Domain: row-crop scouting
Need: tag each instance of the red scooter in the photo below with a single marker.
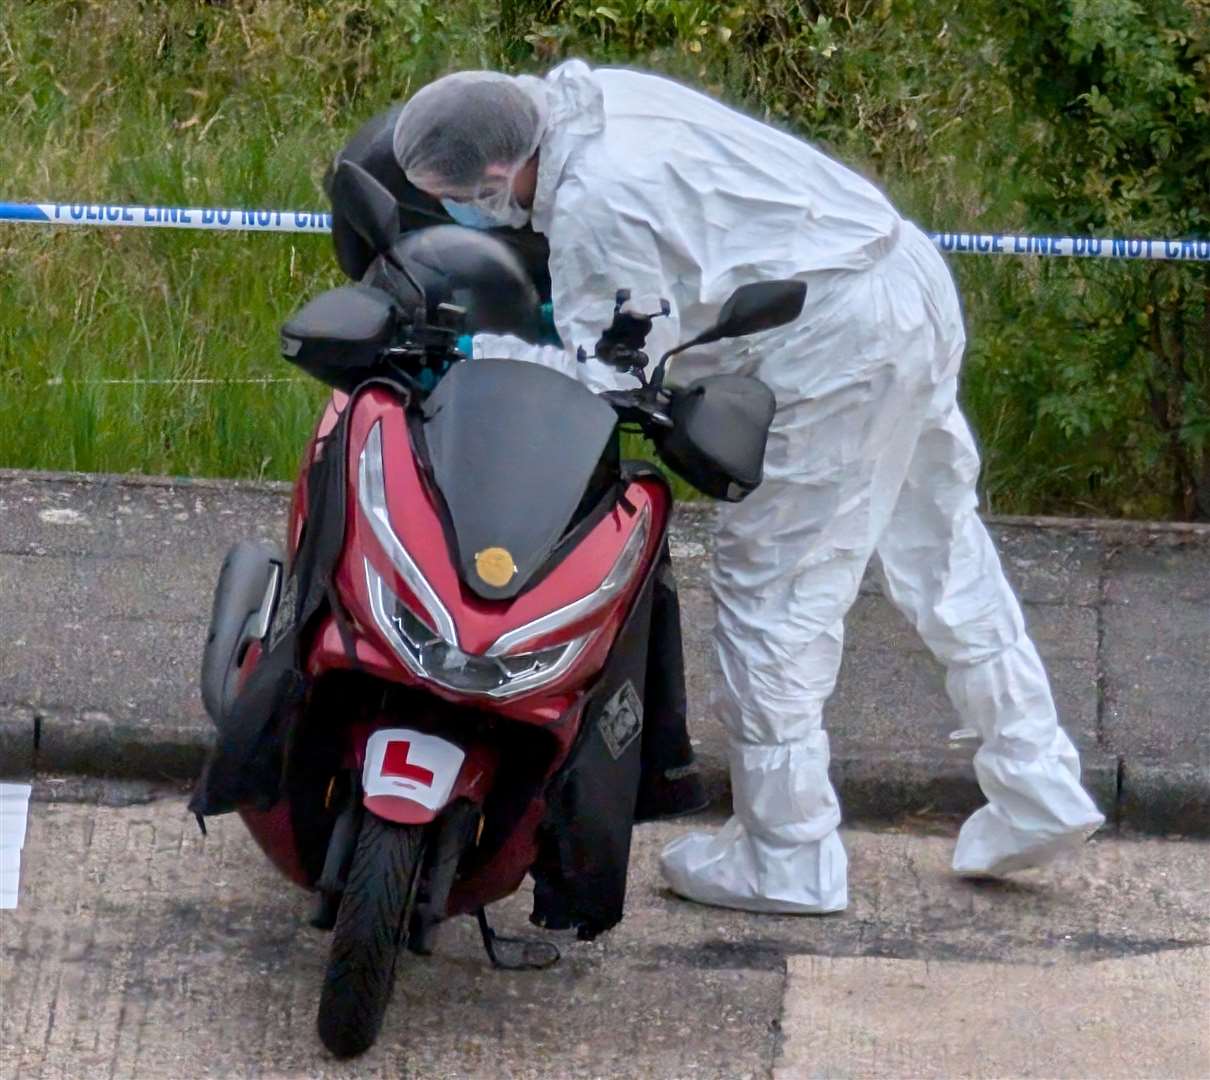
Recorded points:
(440, 687)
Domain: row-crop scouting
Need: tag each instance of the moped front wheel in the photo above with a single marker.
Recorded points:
(374, 912)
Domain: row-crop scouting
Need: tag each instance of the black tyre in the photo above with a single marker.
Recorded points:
(376, 906)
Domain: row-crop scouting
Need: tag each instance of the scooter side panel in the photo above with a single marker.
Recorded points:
(273, 831)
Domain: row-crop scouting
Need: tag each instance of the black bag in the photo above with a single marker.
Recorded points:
(632, 752)
(245, 766)
(720, 428)
(584, 842)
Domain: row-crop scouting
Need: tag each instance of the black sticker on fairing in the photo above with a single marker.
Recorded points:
(621, 719)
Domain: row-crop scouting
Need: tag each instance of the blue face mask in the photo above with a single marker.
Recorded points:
(473, 217)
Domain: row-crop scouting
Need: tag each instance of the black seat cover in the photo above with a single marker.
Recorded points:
(372, 148)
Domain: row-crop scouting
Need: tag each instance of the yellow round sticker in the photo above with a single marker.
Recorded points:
(495, 566)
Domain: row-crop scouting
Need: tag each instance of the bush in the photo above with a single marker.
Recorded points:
(1088, 383)
(1113, 136)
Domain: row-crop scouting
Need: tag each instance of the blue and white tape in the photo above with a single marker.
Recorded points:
(169, 217)
(316, 221)
(1080, 247)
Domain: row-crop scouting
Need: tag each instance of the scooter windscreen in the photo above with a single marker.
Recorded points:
(515, 450)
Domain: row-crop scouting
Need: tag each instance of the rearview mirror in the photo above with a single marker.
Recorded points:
(759, 305)
(369, 207)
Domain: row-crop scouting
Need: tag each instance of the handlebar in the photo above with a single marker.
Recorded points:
(644, 406)
(424, 350)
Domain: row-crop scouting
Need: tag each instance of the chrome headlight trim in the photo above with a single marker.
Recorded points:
(372, 496)
(378, 591)
(411, 650)
(535, 679)
(617, 578)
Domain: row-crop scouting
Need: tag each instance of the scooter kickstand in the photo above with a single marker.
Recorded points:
(532, 955)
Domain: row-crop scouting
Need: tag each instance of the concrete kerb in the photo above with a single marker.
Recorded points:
(1168, 797)
(1128, 529)
(139, 480)
(1171, 799)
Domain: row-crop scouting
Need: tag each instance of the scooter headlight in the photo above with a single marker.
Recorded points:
(429, 656)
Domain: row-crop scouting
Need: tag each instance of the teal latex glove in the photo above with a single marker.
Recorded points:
(547, 333)
(465, 345)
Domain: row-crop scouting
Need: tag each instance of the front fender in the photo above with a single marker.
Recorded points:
(410, 776)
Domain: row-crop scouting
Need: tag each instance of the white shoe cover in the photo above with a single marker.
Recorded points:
(734, 869)
(985, 832)
(990, 847)
(1037, 811)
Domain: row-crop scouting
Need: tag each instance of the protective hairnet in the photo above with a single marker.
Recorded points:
(456, 128)
(644, 184)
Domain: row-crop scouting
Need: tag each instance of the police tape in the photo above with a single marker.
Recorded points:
(265, 380)
(1085, 247)
(168, 217)
(316, 221)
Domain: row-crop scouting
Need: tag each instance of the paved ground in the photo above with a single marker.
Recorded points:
(107, 587)
(863, 1017)
(141, 950)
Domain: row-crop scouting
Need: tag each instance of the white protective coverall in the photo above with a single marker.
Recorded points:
(647, 185)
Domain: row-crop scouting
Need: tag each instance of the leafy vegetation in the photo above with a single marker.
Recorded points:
(1125, 91)
(1088, 383)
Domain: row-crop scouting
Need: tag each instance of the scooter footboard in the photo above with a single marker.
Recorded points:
(410, 776)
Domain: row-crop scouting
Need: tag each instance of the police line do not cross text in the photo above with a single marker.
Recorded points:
(316, 221)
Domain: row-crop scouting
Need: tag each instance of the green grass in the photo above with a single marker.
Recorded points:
(124, 305)
(195, 105)
(242, 103)
(184, 103)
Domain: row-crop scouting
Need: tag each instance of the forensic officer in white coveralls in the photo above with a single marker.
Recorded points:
(641, 183)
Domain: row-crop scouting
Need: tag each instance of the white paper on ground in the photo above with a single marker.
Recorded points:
(14, 813)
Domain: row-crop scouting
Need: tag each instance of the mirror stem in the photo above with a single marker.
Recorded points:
(704, 338)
